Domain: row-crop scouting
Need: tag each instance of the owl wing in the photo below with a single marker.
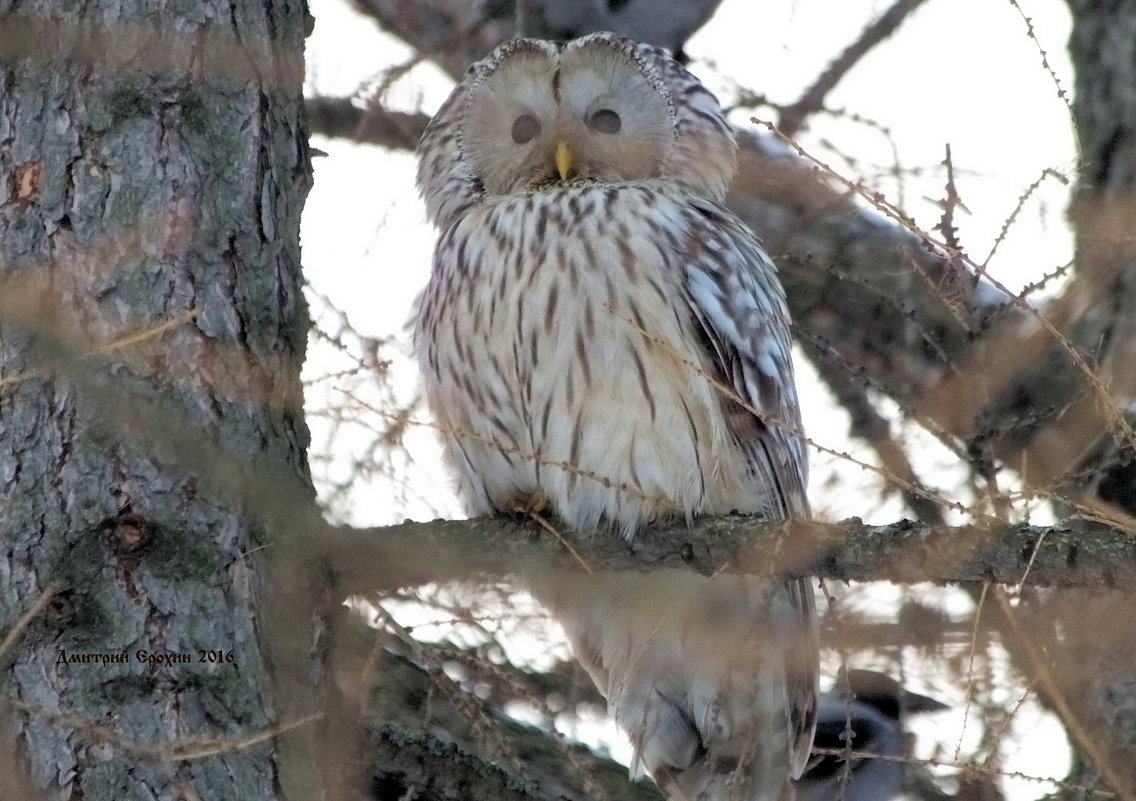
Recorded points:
(739, 307)
(740, 310)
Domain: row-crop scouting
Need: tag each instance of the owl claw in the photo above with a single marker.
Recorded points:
(529, 504)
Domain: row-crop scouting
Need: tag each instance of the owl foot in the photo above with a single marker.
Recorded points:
(529, 504)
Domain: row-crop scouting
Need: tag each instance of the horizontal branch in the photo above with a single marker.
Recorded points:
(487, 549)
(343, 118)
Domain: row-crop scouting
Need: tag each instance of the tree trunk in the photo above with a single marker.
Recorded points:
(152, 330)
(1080, 630)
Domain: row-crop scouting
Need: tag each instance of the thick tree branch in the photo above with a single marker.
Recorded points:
(342, 117)
(483, 749)
(489, 549)
(423, 766)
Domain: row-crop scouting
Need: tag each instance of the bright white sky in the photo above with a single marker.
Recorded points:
(959, 72)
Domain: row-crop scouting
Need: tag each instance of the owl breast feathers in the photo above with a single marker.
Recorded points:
(602, 337)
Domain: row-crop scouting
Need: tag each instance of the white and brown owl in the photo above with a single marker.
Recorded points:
(602, 339)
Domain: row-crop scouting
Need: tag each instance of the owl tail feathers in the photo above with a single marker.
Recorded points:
(743, 763)
(699, 672)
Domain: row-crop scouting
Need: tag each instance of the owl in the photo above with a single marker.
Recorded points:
(602, 340)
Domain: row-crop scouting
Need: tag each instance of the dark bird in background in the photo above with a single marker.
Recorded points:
(662, 23)
(872, 707)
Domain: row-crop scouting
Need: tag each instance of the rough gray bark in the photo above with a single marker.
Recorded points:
(155, 163)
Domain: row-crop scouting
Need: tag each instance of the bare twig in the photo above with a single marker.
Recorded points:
(374, 124)
(793, 116)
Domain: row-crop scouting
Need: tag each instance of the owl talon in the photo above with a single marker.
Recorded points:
(534, 503)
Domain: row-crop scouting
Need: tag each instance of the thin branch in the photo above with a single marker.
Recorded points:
(343, 118)
(793, 116)
(16, 631)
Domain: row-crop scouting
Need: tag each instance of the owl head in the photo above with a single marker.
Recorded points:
(605, 109)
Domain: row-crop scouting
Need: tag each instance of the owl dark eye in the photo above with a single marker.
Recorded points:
(525, 128)
(605, 121)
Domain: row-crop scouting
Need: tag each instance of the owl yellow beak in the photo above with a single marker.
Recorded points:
(563, 159)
